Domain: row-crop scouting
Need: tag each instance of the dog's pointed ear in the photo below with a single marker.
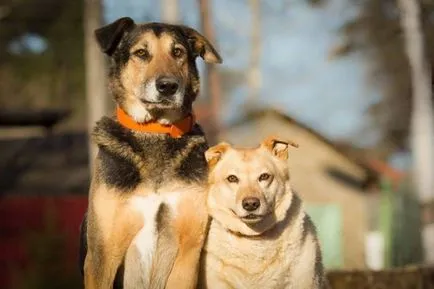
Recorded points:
(201, 46)
(109, 36)
(214, 154)
(278, 147)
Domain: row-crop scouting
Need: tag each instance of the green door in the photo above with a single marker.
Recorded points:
(328, 222)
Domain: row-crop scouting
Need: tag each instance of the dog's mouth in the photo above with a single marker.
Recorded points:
(150, 102)
(250, 218)
(162, 104)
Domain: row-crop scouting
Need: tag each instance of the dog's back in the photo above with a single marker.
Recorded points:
(272, 244)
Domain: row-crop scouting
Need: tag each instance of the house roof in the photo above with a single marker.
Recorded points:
(254, 113)
(386, 170)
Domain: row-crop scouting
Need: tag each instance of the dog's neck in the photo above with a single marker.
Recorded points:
(175, 130)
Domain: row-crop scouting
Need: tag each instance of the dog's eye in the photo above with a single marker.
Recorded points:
(232, 179)
(141, 53)
(264, 177)
(177, 52)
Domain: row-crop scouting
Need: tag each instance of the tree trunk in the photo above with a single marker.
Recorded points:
(422, 121)
(96, 93)
(254, 73)
(213, 89)
(169, 11)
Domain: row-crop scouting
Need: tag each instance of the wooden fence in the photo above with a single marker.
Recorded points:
(403, 278)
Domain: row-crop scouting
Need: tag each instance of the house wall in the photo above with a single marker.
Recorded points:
(310, 181)
(40, 240)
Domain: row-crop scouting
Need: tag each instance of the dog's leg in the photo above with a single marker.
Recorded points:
(143, 254)
(166, 249)
(113, 227)
(82, 244)
(90, 280)
(190, 228)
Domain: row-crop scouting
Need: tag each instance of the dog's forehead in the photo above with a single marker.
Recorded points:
(248, 157)
(154, 32)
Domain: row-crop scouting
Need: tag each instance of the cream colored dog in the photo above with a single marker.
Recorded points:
(259, 235)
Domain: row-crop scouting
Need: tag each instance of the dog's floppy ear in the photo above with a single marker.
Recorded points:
(214, 154)
(109, 36)
(278, 147)
(201, 46)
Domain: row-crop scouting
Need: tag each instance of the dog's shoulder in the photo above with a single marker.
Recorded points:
(118, 163)
(108, 133)
(126, 159)
(310, 228)
(193, 165)
(308, 252)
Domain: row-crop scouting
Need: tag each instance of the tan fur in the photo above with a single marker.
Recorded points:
(278, 146)
(115, 225)
(190, 228)
(179, 245)
(280, 248)
(214, 154)
(162, 63)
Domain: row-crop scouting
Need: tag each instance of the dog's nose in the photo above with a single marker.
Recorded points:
(167, 86)
(251, 204)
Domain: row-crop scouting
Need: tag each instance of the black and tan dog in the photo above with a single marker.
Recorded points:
(146, 220)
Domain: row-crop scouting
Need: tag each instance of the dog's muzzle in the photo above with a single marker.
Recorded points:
(167, 87)
(162, 92)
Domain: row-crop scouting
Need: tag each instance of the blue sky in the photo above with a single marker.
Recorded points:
(331, 96)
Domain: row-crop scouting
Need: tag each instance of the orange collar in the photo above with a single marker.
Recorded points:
(175, 130)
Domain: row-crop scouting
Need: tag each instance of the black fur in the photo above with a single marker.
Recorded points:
(163, 217)
(117, 132)
(109, 36)
(193, 167)
(119, 279)
(117, 171)
(119, 146)
(122, 53)
(181, 34)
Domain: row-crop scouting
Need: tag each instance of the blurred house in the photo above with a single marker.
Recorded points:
(43, 196)
(333, 185)
(395, 219)
(55, 164)
(39, 241)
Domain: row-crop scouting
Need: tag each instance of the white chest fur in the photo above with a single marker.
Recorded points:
(286, 261)
(241, 262)
(139, 257)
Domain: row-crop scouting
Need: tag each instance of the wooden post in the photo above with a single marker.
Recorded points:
(169, 11)
(96, 88)
(422, 119)
(213, 80)
(254, 73)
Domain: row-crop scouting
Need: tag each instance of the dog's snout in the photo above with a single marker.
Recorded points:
(167, 86)
(251, 204)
